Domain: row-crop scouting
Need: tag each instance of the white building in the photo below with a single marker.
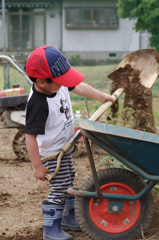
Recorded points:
(87, 29)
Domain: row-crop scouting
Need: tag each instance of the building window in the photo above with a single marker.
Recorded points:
(26, 31)
(91, 18)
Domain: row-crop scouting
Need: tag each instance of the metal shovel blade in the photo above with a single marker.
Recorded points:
(146, 61)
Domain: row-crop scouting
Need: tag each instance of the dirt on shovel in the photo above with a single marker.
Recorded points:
(137, 108)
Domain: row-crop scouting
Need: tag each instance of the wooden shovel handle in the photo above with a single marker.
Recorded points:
(106, 105)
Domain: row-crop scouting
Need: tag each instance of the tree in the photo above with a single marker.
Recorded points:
(147, 14)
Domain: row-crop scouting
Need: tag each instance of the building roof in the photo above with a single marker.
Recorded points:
(28, 3)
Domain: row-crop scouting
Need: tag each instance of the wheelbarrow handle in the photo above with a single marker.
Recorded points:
(78, 134)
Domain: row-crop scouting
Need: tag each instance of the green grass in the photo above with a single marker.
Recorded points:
(155, 89)
(156, 116)
(96, 76)
(109, 161)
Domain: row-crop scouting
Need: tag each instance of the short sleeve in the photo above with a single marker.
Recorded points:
(36, 114)
(70, 88)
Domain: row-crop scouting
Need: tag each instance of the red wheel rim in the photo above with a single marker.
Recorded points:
(112, 222)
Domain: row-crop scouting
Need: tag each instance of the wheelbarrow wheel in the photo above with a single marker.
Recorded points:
(19, 146)
(126, 219)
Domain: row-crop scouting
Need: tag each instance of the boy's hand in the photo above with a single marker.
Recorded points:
(108, 97)
(40, 171)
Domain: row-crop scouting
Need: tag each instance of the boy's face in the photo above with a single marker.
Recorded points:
(47, 88)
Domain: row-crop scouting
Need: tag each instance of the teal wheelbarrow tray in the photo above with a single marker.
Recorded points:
(116, 203)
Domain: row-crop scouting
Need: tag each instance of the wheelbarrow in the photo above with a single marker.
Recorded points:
(116, 203)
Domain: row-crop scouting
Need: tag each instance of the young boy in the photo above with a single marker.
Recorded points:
(49, 125)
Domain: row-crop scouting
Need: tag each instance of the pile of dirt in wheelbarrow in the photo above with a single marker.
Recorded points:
(137, 107)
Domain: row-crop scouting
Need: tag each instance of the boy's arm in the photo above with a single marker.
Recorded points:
(86, 90)
(39, 170)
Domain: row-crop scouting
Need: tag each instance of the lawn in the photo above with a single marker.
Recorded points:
(96, 76)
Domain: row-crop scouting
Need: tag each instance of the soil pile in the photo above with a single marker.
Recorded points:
(137, 108)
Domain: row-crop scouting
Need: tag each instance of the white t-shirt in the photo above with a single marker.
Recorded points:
(51, 118)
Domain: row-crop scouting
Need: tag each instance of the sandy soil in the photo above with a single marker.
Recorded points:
(21, 195)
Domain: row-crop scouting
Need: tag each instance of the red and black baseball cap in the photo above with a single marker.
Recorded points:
(48, 62)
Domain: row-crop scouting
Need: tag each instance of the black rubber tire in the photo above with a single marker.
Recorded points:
(121, 176)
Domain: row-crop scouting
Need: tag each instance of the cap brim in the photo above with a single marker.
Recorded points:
(69, 79)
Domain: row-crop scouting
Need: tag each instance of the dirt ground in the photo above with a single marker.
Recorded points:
(21, 195)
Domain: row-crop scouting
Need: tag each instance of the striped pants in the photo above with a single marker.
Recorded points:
(62, 181)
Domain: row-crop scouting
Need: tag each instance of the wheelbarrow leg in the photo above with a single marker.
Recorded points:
(94, 172)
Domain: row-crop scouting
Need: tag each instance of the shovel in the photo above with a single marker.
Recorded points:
(147, 62)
